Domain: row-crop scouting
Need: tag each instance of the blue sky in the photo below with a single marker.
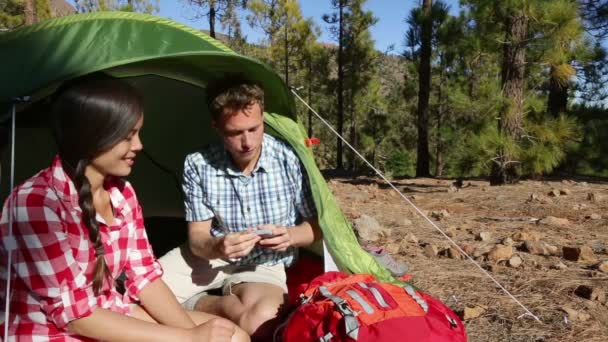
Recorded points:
(390, 28)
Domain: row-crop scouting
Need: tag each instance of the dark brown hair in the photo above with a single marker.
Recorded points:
(92, 114)
(231, 94)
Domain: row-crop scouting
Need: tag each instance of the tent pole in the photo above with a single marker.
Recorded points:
(527, 312)
(10, 245)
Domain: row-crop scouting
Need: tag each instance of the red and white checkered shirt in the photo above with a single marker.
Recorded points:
(53, 258)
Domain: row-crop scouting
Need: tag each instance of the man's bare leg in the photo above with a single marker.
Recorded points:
(253, 306)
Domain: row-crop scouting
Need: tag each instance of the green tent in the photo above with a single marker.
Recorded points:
(170, 64)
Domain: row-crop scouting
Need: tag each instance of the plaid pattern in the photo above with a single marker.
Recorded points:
(277, 192)
(53, 258)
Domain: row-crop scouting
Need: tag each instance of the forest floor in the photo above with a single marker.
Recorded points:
(544, 241)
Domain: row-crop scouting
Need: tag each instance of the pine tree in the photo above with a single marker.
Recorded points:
(216, 10)
(143, 6)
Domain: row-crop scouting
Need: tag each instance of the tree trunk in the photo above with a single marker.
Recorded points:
(29, 12)
(440, 146)
(558, 96)
(310, 95)
(513, 71)
(339, 162)
(353, 130)
(212, 19)
(286, 53)
(424, 85)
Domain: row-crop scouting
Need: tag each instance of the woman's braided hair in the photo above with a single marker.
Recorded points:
(91, 115)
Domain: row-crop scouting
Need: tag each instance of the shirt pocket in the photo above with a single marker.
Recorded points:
(277, 206)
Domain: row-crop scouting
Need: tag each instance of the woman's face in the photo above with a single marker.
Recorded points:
(118, 160)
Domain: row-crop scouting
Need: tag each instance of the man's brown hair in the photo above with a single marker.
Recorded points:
(232, 94)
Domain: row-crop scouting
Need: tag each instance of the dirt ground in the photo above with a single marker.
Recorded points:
(546, 287)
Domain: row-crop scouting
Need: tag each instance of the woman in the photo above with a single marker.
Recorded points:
(78, 225)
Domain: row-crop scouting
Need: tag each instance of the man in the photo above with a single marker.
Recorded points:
(248, 206)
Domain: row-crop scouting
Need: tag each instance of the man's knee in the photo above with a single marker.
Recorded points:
(260, 318)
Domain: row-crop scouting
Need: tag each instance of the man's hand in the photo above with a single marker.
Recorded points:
(280, 240)
(236, 245)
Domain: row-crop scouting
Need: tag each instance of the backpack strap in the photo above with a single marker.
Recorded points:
(326, 338)
(350, 322)
(376, 295)
(410, 290)
(365, 305)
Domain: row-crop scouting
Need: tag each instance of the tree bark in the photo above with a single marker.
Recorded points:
(339, 152)
(286, 52)
(513, 72)
(310, 95)
(29, 12)
(424, 85)
(212, 19)
(440, 145)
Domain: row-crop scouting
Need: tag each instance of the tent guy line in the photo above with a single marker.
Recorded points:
(379, 173)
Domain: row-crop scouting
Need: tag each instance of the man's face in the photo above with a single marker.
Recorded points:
(242, 133)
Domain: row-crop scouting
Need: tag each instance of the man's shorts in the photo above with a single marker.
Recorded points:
(190, 276)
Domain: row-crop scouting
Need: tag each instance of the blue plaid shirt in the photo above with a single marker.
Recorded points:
(277, 192)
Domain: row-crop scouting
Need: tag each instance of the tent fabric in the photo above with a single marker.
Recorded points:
(170, 64)
(37, 56)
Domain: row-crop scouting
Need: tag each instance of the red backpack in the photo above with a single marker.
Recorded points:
(339, 307)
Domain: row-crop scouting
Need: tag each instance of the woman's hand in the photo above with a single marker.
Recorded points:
(214, 330)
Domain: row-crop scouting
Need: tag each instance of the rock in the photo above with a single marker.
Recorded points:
(411, 238)
(598, 246)
(430, 251)
(553, 193)
(594, 216)
(484, 236)
(468, 248)
(526, 236)
(534, 197)
(539, 248)
(452, 188)
(482, 250)
(368, 229)
(574, 315)
(579, 254)
(591, 293)
(473, 312)
(515, 261)
(356, 196)
(568, 182)
(602, 266)
(554, 221)
(594, 197)
(565, 192)
(393, 248)
(405, 222)
(451, 232)
(500, 252)
(589, 304)
(440, 214)
(559, 266)
(507, 241)
(454, 253)
(579, 206)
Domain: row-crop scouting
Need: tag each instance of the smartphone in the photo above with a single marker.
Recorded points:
(264, 233)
